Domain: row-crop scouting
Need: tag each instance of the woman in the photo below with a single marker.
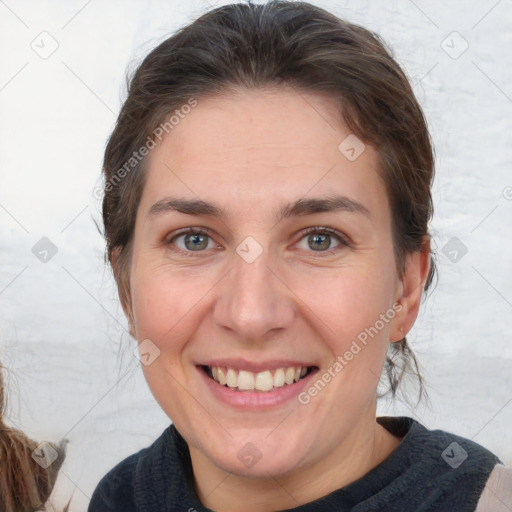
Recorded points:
(266, 209)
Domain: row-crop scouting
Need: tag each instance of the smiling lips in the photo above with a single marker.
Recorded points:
(264, 381)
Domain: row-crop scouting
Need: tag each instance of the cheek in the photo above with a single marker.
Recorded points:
(357, 334)
(164, 314)
(350, 300)
(161, 299)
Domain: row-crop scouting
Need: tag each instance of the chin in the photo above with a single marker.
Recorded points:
(258, 454)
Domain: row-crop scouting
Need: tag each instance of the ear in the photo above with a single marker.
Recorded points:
(417, 267)
(122, 278)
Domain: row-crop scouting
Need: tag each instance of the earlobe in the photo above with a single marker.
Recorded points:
(397, 331)
(417, 268)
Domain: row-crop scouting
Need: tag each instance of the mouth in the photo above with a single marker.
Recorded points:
(266, 381)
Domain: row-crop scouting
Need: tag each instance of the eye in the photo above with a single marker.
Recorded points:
(319, 239)
(192, 240)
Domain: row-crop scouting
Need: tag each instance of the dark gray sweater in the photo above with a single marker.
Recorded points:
(430, 470)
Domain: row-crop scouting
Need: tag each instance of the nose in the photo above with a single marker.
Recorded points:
(253, 300)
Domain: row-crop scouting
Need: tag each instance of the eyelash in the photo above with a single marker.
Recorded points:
(344, 241)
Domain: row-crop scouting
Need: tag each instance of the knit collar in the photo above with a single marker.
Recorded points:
(164, 480)
(169, 458)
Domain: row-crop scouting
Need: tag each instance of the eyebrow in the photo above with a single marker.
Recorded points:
(301, 207)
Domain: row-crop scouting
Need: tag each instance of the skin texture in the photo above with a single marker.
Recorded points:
(251, 152)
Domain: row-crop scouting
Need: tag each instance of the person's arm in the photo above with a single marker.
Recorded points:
(497, 495)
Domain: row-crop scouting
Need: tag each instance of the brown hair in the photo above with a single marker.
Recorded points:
(25, 485)
(287, 43)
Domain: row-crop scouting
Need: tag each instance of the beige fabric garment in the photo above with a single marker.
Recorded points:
(497, 495)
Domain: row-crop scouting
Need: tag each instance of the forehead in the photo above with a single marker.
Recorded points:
(272, 144)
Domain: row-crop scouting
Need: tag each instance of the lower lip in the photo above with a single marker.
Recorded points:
(254, 399)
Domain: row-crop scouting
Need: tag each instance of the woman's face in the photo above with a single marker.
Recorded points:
(253, 297)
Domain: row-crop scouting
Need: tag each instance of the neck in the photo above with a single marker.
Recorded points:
(366, 446)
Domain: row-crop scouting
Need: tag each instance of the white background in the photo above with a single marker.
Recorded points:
(72, 370)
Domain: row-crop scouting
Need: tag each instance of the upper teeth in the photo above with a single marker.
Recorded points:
(262, 381)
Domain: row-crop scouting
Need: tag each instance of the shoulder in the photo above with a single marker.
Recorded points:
(116, 490)
(448, 470)
(450, 451)
(497, 494)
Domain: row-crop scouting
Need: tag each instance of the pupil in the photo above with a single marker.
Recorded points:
(317, 238)
(195, 238)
